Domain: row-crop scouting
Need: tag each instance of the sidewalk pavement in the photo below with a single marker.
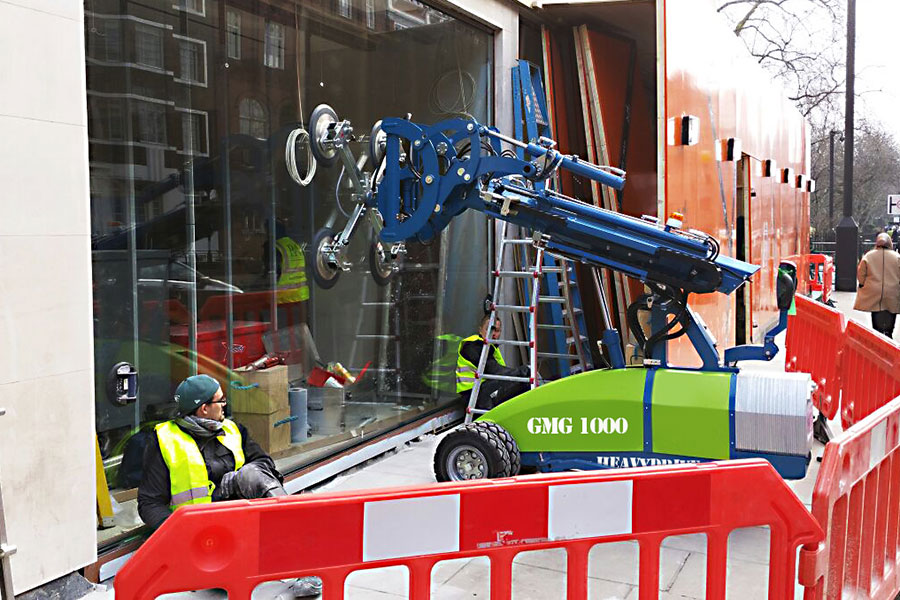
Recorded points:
(541, 575)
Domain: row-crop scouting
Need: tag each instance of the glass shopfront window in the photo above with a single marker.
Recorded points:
(195, 213)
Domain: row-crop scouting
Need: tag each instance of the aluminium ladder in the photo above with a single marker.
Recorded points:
(532, 272)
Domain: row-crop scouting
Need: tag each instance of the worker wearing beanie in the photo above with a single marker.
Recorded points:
(203, 457)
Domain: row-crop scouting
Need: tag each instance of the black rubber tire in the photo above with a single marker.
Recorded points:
(515, 458)
(324, 276)
(377, 266)
(479, 437)
(321, 116)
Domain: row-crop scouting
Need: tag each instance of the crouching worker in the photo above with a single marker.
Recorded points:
(492, 391)
(203, 457)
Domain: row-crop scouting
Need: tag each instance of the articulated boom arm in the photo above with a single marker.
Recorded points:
(422, 190)
(425, 175)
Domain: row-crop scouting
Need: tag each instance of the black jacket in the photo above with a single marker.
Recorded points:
(154, 492)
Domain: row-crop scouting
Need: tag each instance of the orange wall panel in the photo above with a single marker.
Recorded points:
(710, 75)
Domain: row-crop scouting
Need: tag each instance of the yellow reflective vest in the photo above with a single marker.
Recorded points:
(189, 480)
(465, 370)
(291, 286)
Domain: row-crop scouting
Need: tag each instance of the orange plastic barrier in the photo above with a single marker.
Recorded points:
(815, 337)
(869, 367)
(857, 501)
(237, 545)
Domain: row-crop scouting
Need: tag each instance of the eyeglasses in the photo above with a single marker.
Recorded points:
(222, 401)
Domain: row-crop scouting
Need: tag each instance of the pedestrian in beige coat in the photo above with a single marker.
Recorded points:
(878, 275)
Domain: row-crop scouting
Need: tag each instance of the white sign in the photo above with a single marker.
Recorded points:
(893, 205)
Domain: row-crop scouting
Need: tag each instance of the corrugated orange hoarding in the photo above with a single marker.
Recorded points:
(710, 75)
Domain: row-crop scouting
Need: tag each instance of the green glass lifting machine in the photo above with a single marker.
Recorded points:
(425, 175)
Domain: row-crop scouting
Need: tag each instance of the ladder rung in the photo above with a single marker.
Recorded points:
(554, 327)
(376, 336)
(575, 369)
(420, 297)
(575, 311)
(506, 378)
(476, 411)
(512, 308)
(514, 273)
(551, 269)
(571, 339)
(557, 355)
(552, 300)
(511, 342)
(376, 303)
(518, 242)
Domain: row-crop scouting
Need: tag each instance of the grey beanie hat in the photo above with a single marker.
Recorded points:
(193, 392)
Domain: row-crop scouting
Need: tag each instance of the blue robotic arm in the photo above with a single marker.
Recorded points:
(425, 175)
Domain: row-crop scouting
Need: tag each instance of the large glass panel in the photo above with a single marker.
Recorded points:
(201, 237)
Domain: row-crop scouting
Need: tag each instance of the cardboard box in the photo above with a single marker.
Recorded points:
(268, 394)
(263, 431)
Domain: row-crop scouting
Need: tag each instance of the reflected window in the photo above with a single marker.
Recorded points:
(344, 8)
(151, 122)
(192, 54)
(370, 14)
(252, 118)
(274, 46)
(193, 132)
(233, 35)
(107, 37)
(148, 44)
(194, 6)
(107, 123)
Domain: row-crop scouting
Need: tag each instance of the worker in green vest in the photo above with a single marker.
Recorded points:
(202, 457)
(291, 287)
(492, 391)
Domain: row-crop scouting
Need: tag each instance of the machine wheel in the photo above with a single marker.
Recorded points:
(515, 459)
(323, 273)
(380, 263)
(472, 451)
(322, 116)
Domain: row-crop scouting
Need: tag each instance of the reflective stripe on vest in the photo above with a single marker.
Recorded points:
(291, 286)
(189, 479)
(465, 370)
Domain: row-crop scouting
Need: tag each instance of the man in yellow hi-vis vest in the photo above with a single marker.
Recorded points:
(492, 391)
(202, 457)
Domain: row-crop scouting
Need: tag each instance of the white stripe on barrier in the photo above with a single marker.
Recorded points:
(589, 510)
(877, 443)
(410, 527)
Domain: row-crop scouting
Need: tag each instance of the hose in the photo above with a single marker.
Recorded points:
(290, 156)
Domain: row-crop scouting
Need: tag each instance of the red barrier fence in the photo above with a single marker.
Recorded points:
(857, 501)
(821, 276)
(869, 366)
(815, 336)
(238, 545)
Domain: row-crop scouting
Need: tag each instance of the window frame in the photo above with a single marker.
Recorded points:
(141, 29)
(233, 34)
(201, 148)
(269, 59)
(182, 40)
(182, 5)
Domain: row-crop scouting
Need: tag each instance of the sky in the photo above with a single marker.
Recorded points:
(878, 62)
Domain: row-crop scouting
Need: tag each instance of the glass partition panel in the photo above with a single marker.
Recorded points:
(202, 238)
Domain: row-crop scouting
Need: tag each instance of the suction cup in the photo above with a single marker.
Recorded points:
(324, 274)
(321, 118)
